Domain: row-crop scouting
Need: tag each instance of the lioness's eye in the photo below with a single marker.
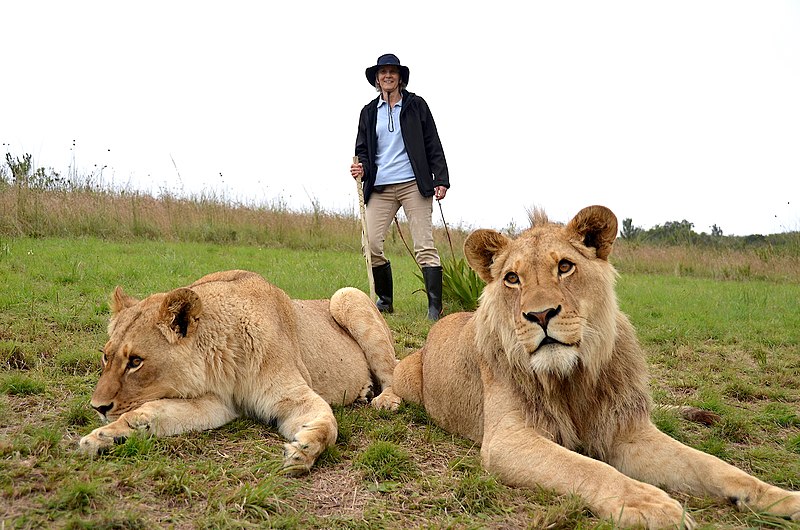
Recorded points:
(512, 278)
(134, 362)
(565, 266)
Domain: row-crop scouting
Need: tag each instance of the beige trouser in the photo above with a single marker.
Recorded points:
(381, 210)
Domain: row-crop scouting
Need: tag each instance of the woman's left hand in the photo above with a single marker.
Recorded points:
(439, 192)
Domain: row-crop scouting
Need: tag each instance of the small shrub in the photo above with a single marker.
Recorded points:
(460, 284)
(385, 461)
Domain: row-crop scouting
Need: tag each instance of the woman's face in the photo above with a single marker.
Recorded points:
(389, 78)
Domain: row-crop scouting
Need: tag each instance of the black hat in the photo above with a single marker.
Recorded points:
(388, 59)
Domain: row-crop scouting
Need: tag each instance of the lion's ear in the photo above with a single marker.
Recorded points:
(595, 227)
(120, 300)
(480, 248)
(179, 313)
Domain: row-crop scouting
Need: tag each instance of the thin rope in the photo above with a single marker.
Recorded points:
(403, 239)
(446, 230)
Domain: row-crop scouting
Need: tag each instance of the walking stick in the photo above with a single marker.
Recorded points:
(364, 237)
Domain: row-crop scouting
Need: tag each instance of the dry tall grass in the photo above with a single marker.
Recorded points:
(758, 262)
(121, 215)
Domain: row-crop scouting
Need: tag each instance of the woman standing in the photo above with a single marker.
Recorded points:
(401, 163)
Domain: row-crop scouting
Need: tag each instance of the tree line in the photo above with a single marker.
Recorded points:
(682, 233)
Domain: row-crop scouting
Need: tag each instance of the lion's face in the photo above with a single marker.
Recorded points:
(550, 292)
(146, 354)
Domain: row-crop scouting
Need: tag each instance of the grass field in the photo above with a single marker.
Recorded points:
(730, 346)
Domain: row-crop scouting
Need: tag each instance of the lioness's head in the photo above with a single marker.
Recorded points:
(550, 292)
(145, 356)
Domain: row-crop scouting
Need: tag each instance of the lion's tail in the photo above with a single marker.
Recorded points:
(697, 415)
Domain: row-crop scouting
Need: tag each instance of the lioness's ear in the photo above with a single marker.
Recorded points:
(480, 249)
(595, 227)
(120, 301)
(179, 313)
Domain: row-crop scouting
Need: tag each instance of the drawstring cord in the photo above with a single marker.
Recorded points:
(391, 117)
(389, 113)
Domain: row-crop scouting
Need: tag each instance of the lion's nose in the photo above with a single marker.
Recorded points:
(542, 317)
(102, 409)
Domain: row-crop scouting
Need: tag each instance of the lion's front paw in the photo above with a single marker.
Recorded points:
(387, 400)
(97, 441)
(296, 460)
(643, 505)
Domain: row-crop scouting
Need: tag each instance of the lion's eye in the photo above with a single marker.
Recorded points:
(511, 278)
(134, 362)
(565, 267)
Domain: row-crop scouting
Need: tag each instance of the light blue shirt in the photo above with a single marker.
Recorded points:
(392, 160)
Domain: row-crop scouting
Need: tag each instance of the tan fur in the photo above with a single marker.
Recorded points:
(232, 344)
(548, 376)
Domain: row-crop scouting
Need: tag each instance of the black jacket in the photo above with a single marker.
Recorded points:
(420, 138)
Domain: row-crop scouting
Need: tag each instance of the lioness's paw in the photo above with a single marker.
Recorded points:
(296, 460)
(787, 506)
(643, 505)
(387, 400)
(96, 442)
(775, 501)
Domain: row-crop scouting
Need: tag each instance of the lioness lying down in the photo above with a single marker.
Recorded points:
(231, 344)
(547, 375)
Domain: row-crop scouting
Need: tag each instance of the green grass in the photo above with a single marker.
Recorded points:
(732, 347)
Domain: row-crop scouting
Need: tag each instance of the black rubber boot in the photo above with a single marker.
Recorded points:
(382, 274)
(433, 286)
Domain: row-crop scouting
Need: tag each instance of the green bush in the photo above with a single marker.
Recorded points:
(460, 284)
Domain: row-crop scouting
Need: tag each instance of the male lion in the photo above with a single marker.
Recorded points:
(231, 344)
(547, 375)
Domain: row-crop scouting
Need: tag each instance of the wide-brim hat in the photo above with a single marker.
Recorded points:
(388, 59)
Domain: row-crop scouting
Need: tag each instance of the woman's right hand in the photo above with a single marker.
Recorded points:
(357, 170)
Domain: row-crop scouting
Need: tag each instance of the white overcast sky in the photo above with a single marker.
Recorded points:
(660, 110)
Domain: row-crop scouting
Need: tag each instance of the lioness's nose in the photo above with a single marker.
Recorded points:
(542, 317)
(102, 409)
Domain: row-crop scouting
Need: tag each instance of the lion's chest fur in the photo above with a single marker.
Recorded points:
(581, 412)
(574, 412)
